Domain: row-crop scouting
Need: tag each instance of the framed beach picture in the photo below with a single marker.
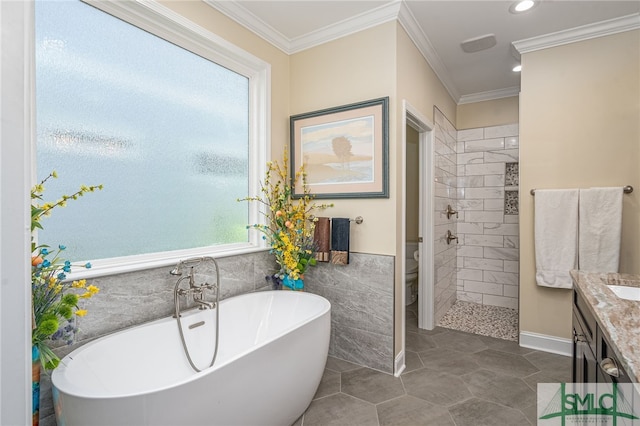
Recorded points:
(344, 150)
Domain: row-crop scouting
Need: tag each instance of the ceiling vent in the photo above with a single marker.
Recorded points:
(477, 44)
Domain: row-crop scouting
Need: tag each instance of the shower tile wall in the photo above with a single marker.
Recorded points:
(444, 262)
(488, 225)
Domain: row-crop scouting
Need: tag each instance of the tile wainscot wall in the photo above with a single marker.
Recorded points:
(361, 296)
(487, 228)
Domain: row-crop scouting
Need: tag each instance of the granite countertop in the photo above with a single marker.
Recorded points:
(619, 318)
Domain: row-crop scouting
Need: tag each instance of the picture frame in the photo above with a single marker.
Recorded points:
(344, 150)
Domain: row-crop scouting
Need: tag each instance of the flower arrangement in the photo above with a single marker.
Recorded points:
(55, 299)
(289, 223)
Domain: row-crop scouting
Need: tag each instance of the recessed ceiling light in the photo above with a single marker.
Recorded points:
(521, 6)
(517, 68)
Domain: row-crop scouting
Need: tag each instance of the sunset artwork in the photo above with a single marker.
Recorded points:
(339, 152)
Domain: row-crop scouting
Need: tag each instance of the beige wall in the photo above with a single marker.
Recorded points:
(579, 127)
(487, 113)
(351, 69)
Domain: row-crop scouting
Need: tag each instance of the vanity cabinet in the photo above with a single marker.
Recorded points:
(593, 358)
(584, 342)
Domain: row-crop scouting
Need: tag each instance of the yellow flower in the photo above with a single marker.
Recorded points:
(81, 312)
(290, 226)
(79, 284)
(93, 289)
(52, 282)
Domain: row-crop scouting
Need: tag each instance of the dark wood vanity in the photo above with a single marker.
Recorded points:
(594, 360)
(606, 329)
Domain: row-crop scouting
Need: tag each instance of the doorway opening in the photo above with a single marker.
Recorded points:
(417, 229)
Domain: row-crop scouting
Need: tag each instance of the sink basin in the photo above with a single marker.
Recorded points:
(625, 292)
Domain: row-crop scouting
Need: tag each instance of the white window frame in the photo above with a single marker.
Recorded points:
(157, 19)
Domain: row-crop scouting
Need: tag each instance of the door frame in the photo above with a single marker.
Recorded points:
(412, 117)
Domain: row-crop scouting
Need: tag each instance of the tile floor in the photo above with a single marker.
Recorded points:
(452, 378)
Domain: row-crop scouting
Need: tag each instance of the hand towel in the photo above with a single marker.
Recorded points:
(340, 241)
(556, 236)
(322, 238)
(600, 229)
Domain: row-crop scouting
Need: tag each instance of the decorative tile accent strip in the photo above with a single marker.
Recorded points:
(510, 202)
(511, 174)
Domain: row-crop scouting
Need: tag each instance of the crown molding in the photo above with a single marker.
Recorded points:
(489, 95)
(385, 13)
(415, 33)
(584, 32)
(250, 21)
(377, 16)
(380, 15)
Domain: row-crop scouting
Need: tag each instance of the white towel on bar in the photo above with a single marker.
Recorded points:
(556, 236)
(600, 229)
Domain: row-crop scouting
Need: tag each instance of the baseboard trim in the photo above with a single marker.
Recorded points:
(399, 364)
(545, 343)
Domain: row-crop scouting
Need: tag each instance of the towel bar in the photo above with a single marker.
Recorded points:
(627, 190)
(358, 220)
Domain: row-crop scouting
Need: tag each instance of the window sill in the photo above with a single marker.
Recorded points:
(120, 265)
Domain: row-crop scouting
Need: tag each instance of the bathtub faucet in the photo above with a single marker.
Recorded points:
(198, 296)
(197, 291)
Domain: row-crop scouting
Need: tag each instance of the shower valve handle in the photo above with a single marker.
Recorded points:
(449, 236)
(450, 211)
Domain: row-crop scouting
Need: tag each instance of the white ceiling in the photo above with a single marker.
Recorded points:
(438, 28)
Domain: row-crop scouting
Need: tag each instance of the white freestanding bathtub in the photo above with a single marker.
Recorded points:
(271, 356)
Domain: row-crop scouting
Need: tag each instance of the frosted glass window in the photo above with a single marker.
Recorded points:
(163, 129)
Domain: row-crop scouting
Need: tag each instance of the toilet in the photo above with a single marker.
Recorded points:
(411, 275)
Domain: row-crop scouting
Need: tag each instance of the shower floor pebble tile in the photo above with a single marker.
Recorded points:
(485, 320)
